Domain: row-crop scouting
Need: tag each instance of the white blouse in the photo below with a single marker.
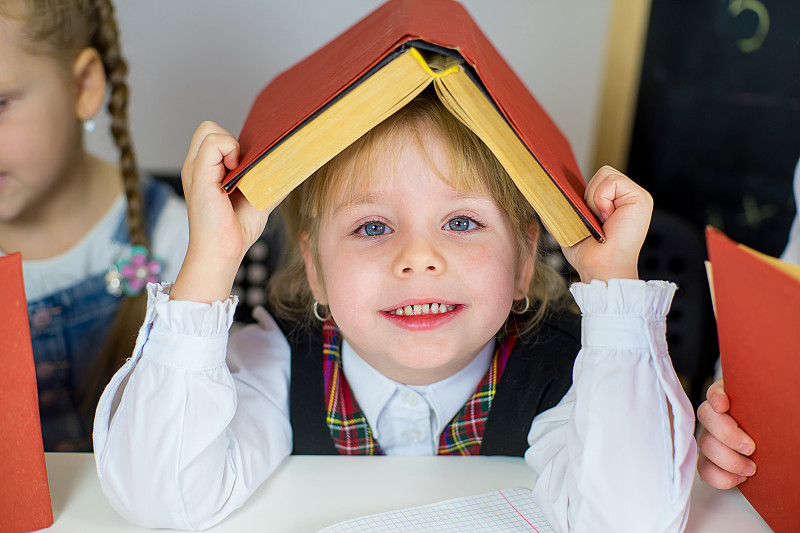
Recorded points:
(194, 422)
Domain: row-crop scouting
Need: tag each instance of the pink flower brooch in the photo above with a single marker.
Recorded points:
(131, 275)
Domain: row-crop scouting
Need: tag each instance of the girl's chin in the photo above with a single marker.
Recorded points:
(419, 370)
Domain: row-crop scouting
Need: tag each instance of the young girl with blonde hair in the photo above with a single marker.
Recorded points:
(90, 233)
(414, 317)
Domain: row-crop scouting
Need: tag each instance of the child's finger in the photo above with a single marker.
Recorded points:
(716, 476)
(717, 398)
(203, 131)
(723, 456)
(217, 152)
(624, 208)
(602, 211)
(725, 429)
(609, 190)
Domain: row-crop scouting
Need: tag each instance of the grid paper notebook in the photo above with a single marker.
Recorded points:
(506, 510)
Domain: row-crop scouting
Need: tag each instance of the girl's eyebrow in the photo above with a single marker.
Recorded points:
(352, 203)
(369, 199)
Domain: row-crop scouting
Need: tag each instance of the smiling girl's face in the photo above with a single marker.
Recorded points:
(418, 276)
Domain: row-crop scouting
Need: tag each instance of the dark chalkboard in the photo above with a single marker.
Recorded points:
(716, 132)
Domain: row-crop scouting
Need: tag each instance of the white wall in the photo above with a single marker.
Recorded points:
(192, 60)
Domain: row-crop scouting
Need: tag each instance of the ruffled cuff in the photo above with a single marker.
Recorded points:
(651, 299)
(191, 318)
(187, 334)
(624, 313)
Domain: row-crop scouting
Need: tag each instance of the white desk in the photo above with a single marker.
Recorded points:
(310, 492)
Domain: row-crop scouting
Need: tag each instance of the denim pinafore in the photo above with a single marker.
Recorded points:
(67, 330)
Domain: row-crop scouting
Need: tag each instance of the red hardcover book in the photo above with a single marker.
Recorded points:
(306, 93)
(24, 491)
(757, 303)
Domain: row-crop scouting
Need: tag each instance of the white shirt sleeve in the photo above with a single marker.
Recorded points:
(181, 438)
(792, 251)
(606, 457)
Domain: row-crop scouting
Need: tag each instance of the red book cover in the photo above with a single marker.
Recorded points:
(24, 491)
(757, 303)
(299, 92)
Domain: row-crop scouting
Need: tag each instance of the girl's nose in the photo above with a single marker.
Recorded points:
(419, 255)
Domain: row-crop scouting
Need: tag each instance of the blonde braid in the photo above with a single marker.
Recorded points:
(122, 333)
(106, 40)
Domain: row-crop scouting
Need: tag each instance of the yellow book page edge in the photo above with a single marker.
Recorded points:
(467, 102)
(338, 126)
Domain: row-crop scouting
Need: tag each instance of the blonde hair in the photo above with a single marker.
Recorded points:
(61, 29)
(473, 168)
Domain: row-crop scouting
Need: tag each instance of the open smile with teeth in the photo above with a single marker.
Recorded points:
(423, 309)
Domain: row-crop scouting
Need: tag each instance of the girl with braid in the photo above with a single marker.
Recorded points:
(412, 318)
(90, 233)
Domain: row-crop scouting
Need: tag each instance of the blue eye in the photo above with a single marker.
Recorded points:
(374, 229)
(460, 224)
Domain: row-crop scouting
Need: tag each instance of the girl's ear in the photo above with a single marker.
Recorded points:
(90, 83)
(526, 264)
(312, 273)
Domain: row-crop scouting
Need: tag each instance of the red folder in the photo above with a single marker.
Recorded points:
(24, 491)
(757, 303)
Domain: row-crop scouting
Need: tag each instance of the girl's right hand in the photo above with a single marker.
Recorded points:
(222, 227)
(724, 446)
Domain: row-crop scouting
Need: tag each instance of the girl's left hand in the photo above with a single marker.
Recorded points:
(724, 447)
(624, 209)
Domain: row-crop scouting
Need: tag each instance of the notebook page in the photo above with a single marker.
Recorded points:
(500, 511)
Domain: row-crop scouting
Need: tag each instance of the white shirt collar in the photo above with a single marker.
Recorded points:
(372, 390)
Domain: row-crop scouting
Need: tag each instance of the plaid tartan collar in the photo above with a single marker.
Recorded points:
(348, 426)
(350, 430)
